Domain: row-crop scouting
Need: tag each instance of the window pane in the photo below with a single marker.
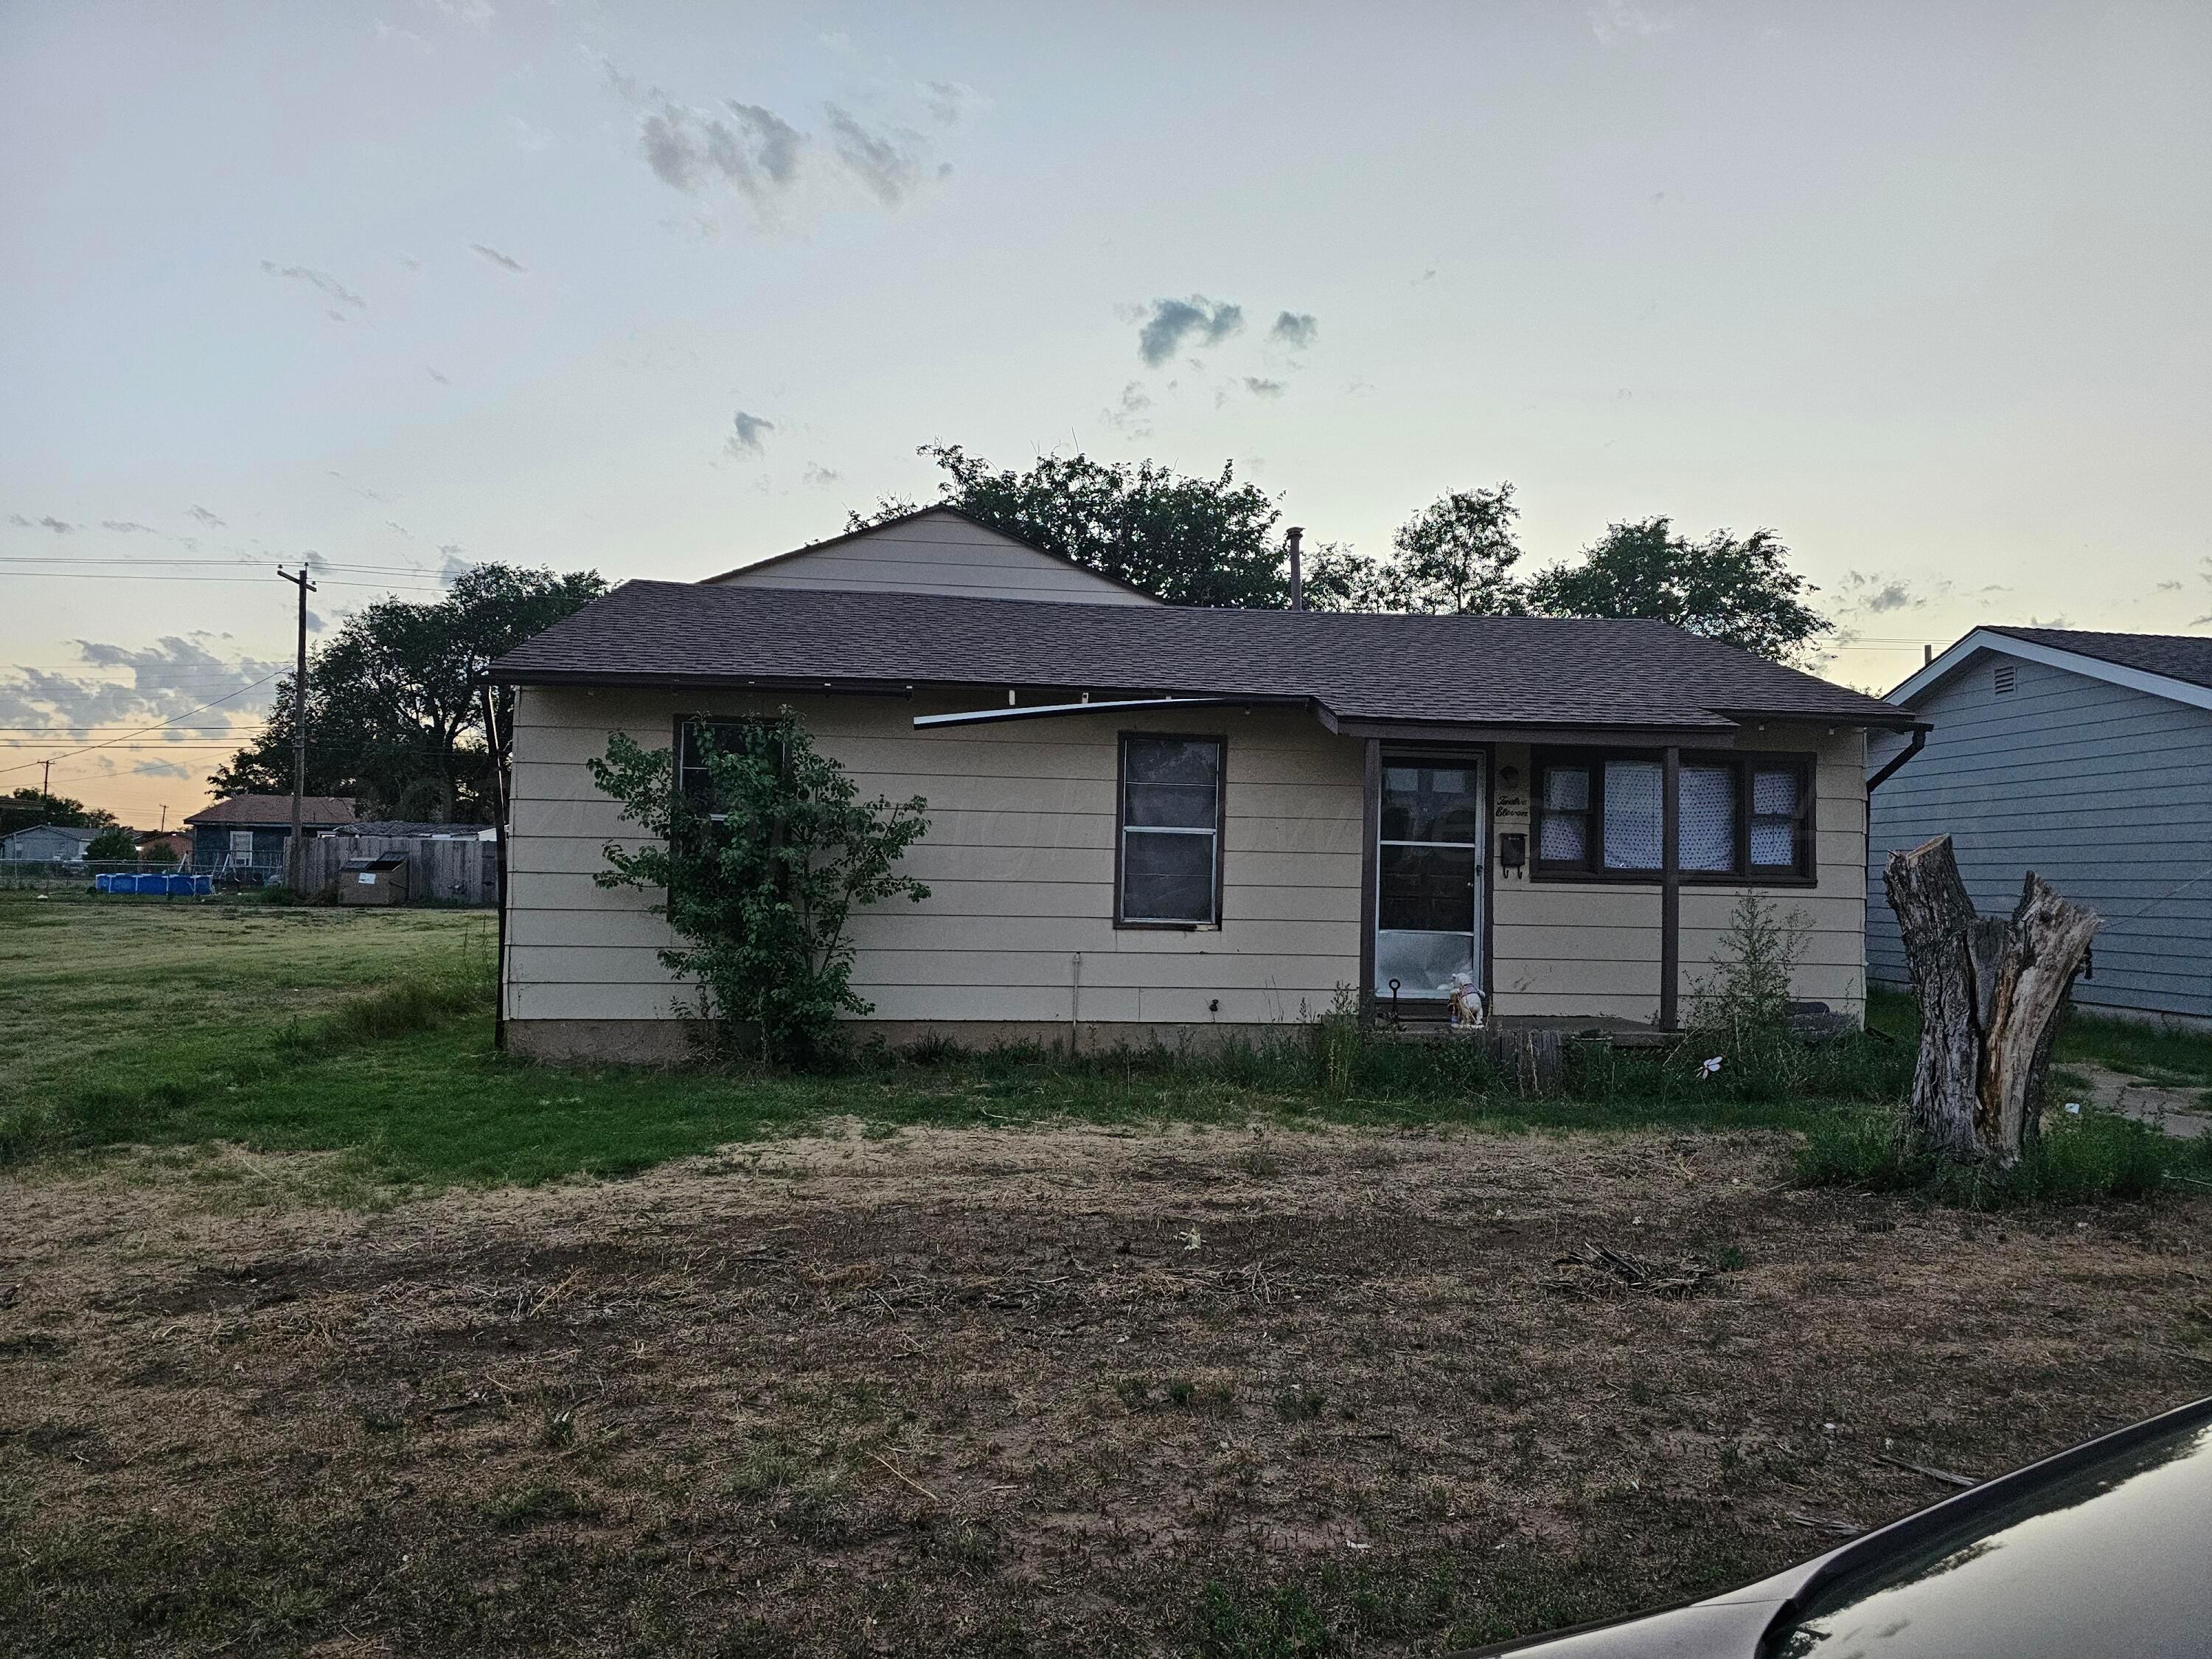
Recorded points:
(1169, 781)
(1429, 803)
(1422, 963)
(1167, 876)
(1566, 788)
(1774, 842)
(1565, 838)
(1430, 887)
(1631, 815)
(1774, 792)
(1707, 805)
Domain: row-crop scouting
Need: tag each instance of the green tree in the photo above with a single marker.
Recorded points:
(1185, 539)
(759, 872)
(394, 715)
(1737, 590)
(1454, 558)
(23, 808)
(113, 844)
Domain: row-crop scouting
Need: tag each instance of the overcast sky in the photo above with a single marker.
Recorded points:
(658, 289)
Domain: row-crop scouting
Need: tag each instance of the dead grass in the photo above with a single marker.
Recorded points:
(1064, 1391)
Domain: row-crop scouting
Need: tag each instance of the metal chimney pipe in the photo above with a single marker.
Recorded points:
(1293, 536)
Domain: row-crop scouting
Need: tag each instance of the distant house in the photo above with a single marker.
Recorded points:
(2087, 758)
(247, 833)
(48, 844)
(170, 847)
(1149, 821)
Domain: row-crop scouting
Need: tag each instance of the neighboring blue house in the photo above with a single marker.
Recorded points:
(2087, 758)
(246, 834)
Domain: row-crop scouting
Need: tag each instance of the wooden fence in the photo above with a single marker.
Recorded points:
(438, 871)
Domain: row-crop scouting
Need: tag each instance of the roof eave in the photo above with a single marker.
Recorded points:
(2053, 656)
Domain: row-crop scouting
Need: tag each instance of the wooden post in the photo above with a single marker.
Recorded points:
(1370, 828)
(1991, 991)
(1670, 886)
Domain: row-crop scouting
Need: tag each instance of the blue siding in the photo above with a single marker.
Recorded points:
(2104, 792)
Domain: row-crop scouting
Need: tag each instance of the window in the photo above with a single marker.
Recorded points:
(241, 845)
(1168, 866)
(726, 737)
(1739, 817)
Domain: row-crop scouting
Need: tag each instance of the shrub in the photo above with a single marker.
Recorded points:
(759, 872)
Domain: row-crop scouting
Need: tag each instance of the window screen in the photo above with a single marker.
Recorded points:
(1170, 830)
(723, 738)
(1563, 834)
(1778, 817)
(1707, 814)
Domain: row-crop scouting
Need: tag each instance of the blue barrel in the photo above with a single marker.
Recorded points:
(102, 882)
(180, 885)
(203, 886)
(148, 883)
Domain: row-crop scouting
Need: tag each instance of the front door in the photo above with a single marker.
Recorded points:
(1428, 877)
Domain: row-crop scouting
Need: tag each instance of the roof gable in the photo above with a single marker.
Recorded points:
(936, 549)
(1493, 671)
(2176, 666)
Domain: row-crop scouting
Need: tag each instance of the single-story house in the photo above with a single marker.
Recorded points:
(1150, 823)
(49, 843)
(164, 846)
(2085, 757)
(247, 834)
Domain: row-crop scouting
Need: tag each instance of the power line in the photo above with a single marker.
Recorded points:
(157, 726)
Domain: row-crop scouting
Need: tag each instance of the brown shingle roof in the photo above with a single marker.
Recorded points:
(1492, 671)
(276, 809)
(2185, 657)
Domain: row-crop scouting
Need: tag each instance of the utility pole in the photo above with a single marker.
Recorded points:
(294, 862)
(45, 779)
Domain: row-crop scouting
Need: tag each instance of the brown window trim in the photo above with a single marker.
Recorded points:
(1804, 873)
(1220, 741)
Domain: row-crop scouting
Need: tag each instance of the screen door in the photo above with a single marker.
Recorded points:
(1428, 878)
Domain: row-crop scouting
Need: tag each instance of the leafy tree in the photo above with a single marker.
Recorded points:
(113, 843)
(1456, 556)
(1736, 590)
(394, 715)
(1185, 539)
(759, 873)
(23, 808)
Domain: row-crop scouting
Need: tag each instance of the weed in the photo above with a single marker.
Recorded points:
(2097, 1158)
(531, 1505)
(1299, 1404)
(560, 1430)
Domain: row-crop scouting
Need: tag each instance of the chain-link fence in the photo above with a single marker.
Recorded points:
(84, 875)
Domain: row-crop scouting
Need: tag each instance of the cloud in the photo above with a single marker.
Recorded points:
(885, 170)
(528, 136)
(835, 41)
(439, 378)
(162, 768)
(206, 518)
(756, 152)
(59, 526)
(1872, 594)
(2167, 588)
(1260, 388)
(505, 261)
(133, 527)
(1130, 415)
(820, 476)
(1197, 320)
(136, 685)
(1295, 329)
(953, 102)
(452, 563)
(321, 281)
(1621, 22)
(745, 439)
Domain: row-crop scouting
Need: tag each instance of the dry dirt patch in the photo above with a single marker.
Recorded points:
(1055, 1391)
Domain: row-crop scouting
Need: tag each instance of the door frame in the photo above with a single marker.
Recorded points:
(1485, 756)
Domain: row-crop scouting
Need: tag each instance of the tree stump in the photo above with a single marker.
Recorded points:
(1991, 991)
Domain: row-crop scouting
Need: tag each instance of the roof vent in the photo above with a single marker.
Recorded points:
(2004, 679)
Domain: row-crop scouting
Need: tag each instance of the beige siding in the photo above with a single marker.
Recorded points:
(1019, 860)
(1020, 863)
(1563, 949)
(940, 553)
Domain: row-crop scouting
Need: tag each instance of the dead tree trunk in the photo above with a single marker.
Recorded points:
(1990, 990)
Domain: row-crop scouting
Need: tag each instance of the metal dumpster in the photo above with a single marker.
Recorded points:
(381, 879)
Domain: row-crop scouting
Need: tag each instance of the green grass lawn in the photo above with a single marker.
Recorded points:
(368, 1033)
